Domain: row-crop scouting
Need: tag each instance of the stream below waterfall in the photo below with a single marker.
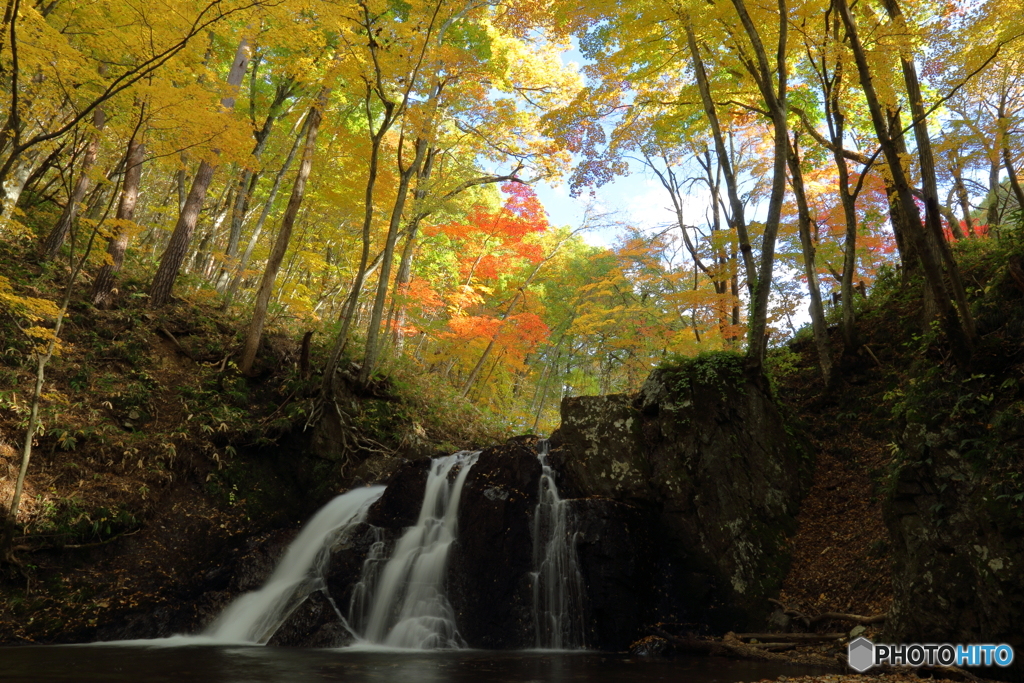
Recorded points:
(249, 664)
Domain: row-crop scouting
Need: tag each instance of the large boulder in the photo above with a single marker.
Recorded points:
(957, 547)
(704, 448)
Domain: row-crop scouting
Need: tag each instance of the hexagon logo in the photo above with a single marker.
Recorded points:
(860, 654)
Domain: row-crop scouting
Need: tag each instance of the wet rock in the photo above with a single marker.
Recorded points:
(489, 584)
(347, 558)
(649, 646)
(314, 623)
(704, 448)
(617, 559)
(399, 507)
(604, 458)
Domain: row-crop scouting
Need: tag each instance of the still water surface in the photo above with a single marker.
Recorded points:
(246, 664)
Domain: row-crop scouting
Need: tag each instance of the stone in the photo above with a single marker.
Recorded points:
(399, 507)
(957, 550)
(489, 565)
(314, 623)
(704, 448)
(617, 558)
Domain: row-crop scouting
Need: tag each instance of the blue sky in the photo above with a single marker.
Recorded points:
(636, 199)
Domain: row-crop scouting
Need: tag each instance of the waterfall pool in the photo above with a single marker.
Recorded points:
(156, 662)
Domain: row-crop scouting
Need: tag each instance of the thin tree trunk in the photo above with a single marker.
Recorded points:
(103, 285)
(731, 184)
(236, 281)
(374, 340)
(961, 192)
(775, 98)
(348, 312)
(7, 535)
(177, 248)
(930, 261)
(992, 217)
(1014, 182)
(818, 324)
(405, 266)
(59, 234)
(259, 316)
(247, 182)
(933, 219)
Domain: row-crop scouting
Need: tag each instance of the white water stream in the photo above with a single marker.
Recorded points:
(557, 581)
(255, 616)
(403, 602)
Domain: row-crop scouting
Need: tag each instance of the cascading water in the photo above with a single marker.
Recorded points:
(403, 602)
(256, 616)
(557, 581)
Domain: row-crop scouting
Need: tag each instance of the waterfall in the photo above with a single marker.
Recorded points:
(557, 581)
(402, 602)
(256, 616)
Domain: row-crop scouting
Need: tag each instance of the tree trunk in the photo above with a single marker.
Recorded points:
(55, 240)
(15, 183)
(961, 192)
(405, 265)
(247, 183)
(731, 185)
(930, 261)
(775, 98)
(103, 285)
(374, 340)
(349, 309)
(818, 324)
(259, 316)
(1012, 177)
(177, 247)
(236, 281)
(929, 185)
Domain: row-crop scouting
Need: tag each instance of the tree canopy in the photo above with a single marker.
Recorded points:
(368, 168)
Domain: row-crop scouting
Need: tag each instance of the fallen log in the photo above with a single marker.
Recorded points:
(810, 622)
(710, 647)
(793, 637)
(773, 647)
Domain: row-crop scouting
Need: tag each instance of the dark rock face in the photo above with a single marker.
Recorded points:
(317, 622)
(704, 450)
(314, 623)
(347, 558)
(958, 551)
(617, 559)
(399, 507)
(489, 565)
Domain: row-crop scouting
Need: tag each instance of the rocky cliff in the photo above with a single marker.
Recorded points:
(682, 498)
(957, 532)
(704, 456)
